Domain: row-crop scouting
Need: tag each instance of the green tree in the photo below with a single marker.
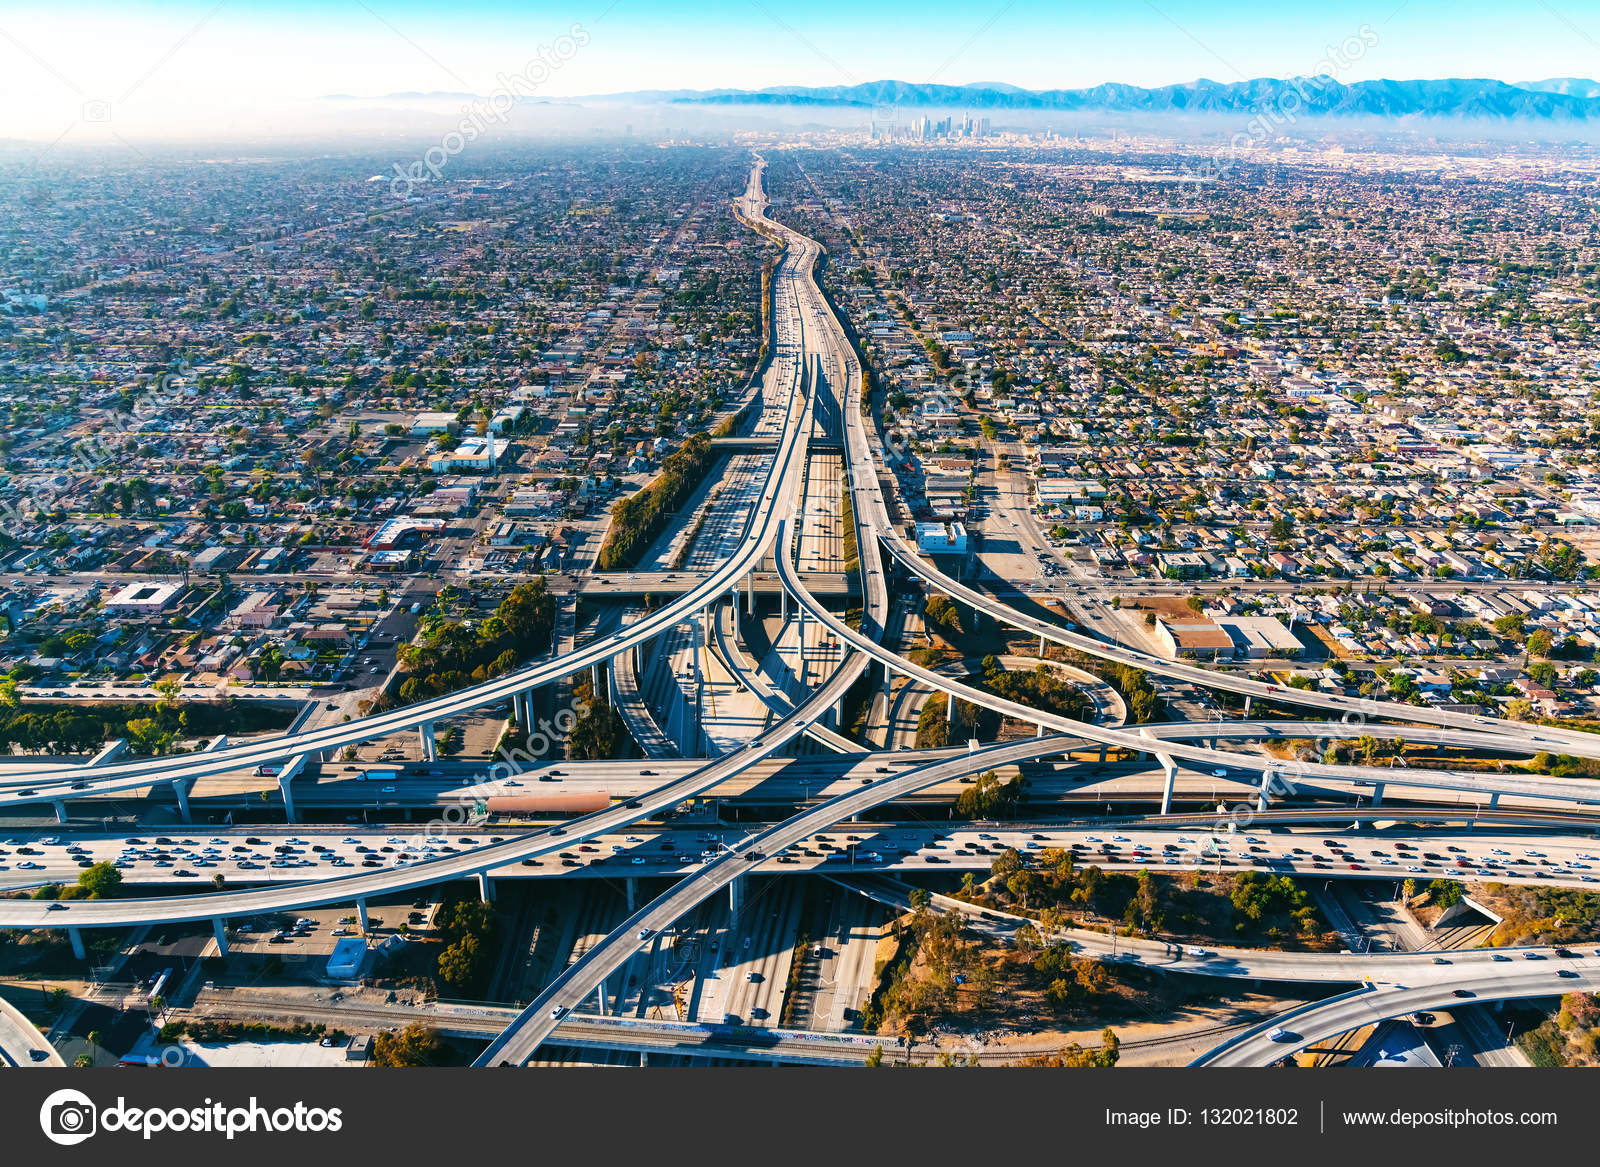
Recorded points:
(100, 882)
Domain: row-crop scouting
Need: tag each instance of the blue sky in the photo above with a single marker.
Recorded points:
(187, 59)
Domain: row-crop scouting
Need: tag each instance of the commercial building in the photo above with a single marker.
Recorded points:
(145, 599)
(1195, 635)
(474, 454)
(346, 959)
(1260, 636)
(941, 538)
(430, 422)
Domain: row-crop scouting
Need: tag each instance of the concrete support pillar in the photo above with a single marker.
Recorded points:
(611, 684)
(181, 790)
(600, 997)
(750, 593)
(594, 678)
(783, 604)
(1170, 778)
(1041, 644)
(1040, 729)
(1494, 800)
(736, 896)
(219, 929)
(77, 944)
(1266, 786)
(631, 889)
(1377, 794)
(430, 747)
(1102, 760)
(1247, 705)
(950, 708)
(288, 798)
(61, 810)
(361, 914)
(485, 887)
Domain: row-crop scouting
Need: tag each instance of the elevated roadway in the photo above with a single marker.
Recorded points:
(21, 1043)
(1297, 1029)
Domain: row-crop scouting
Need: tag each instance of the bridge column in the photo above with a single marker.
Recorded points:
(1102, 760)
(1261, 795)
(219, 929)
(77, 944)
(60, 808)
(750, 592)
(631, 889)
(485, 887)
(1171, 776)
(430, 747)
(1494, 800)
(284, 780)
(181, 789)
(594, 678)
(611, 683)
(1247, 705)
(1041, 644)
(736, 896)
(361, 915)
(600, 996)
(1377, 793)
(950, 708)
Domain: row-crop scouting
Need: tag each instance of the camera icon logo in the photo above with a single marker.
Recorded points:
(96, 110)
(68, 1117)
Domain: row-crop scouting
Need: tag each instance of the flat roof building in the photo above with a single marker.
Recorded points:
(434, 422)
(143, 598)
(941, 538)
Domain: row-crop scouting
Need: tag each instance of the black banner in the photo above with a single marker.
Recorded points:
(771, 1113)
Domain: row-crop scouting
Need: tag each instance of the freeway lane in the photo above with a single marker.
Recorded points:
(1476, 854)
(1366, 1006)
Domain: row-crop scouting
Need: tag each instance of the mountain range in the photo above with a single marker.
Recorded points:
(1563, 98)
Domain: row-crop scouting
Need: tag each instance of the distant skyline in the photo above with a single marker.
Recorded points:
(154, 68)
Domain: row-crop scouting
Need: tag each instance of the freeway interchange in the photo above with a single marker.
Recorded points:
(789, 535)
